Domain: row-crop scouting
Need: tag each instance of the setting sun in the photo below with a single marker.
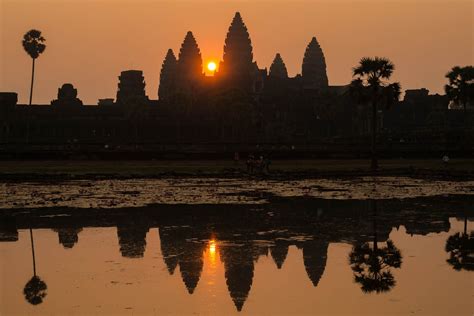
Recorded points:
(211, 66)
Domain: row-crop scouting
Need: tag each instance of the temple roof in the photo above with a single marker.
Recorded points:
(167, 75)
(278, 68)
(238, 46)
(314, 65)
(190, 60)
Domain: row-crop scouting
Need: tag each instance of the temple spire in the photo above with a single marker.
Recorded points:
(279, 252)
(314, 66)
(189, 62)
(168, 76)
(278, 68)
(237, 64)
(315, 253)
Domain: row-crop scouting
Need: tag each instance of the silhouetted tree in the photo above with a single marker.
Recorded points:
(33, 44)
(371, 266)
(370, 86)
(35, 289)
(460, 88)
(461, 250)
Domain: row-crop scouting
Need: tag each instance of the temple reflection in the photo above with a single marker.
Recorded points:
(68, 237)
(8, 229)
(191, 263)
(315, 253)
(239, 235)
(171, 247)
(184, 247)
(239, 266)
(279, 252)
(132, 240)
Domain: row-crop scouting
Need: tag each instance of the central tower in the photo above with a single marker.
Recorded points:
(314, 66)
(237, 68)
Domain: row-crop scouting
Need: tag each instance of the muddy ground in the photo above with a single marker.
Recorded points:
(117, 193)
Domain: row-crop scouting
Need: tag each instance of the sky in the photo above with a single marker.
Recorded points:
(89, 42)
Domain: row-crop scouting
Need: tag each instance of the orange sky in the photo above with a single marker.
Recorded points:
(89, 42)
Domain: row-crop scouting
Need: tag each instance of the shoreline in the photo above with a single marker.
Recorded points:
(18, 171)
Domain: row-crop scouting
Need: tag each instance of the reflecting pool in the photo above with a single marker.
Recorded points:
(291, 255)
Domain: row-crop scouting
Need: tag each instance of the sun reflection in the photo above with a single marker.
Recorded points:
(212, 250)
(211, 66)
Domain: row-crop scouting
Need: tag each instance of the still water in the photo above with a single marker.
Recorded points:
(297, 255)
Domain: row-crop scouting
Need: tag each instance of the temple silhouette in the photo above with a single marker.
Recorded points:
(241, 108)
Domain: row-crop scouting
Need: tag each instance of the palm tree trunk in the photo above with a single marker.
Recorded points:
(31, 98)
(33, 252)
(465, 225)
(374, 164)
(374, 207)
(32, 80)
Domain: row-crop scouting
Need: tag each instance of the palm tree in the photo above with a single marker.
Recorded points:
(461, 250)
(371, 266)
(33, 44)
(460, 88)
(370, 86)
(35, 288)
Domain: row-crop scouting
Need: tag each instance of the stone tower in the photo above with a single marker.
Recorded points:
(131, 87)
(314, 66)
(237, 67)
(67, 96)
(189, 64)
(278, 68)
(168, 76)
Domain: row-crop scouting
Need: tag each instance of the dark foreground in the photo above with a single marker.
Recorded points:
(130, 169)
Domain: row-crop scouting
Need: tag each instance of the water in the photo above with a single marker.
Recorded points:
(282, 255)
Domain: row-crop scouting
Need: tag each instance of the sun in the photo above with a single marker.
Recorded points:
(211, 66)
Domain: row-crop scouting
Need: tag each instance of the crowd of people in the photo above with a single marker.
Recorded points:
(259, 164)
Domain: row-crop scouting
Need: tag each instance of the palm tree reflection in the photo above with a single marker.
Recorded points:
(35, 288)
(372, 265)
(461, 250)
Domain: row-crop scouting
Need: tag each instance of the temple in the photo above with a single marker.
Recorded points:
(237, 71)
(239, 108)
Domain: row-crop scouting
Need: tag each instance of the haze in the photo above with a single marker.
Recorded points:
(90, 42)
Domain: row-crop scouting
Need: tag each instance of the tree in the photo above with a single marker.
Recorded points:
(33, 44)
(460, 88)
(371, 265)
(35, 288)
(371, 86)
(461, 250)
